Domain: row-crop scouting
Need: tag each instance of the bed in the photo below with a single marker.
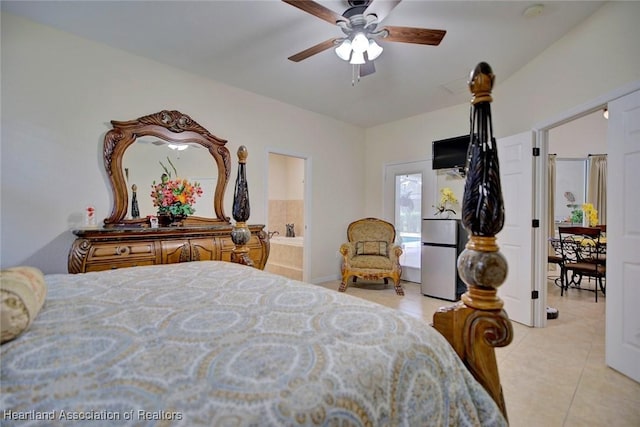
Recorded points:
(217, 343)
(223, 343)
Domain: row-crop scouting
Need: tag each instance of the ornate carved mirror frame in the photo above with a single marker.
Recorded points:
(172, 127)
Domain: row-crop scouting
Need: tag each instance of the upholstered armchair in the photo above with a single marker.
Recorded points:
(371, 253)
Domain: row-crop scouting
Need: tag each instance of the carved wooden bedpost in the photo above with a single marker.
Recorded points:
(241, 234)
(478, 323)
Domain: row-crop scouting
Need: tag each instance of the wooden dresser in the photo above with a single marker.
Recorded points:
(110, 248)
(127, 238)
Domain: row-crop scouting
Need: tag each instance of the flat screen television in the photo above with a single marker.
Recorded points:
(450, 153)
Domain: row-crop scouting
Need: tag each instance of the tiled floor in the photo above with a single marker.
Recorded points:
(553, 376)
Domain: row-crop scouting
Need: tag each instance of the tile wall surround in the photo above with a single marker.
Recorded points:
(282, 212)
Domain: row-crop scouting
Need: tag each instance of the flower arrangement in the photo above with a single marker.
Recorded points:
(590, 213)
(174, 196)
(447, 200)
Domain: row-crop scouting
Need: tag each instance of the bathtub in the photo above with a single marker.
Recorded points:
(291, 241)
(285, 256)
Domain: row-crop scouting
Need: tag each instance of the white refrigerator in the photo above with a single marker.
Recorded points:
(442, 241)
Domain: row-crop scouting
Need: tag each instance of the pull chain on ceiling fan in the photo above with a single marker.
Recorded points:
(360, 24)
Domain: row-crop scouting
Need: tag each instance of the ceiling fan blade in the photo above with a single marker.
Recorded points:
(317, 10)
(313, 50)
(381, 8)
(414, 35)
(367, 68)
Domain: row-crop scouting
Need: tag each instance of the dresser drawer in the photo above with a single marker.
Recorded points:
(121, 251)
(100, 266)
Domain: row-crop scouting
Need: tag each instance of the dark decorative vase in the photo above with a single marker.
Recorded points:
(164, 219)
(177, 220)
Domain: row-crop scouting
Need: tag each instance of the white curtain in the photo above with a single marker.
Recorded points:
(597, 186)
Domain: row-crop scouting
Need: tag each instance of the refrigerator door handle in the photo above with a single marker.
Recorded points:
(440, 245)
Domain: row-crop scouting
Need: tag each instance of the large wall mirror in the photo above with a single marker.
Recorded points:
(134, 155)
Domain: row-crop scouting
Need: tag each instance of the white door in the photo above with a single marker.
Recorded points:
(405, 188)
(516, 238)
(623, 236)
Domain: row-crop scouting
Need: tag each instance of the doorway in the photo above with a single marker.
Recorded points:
(572, 140)
(287, 226)
(541, 235)
(408, 223)
(408, 188)
(621, 344)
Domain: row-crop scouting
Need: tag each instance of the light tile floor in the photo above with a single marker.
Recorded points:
(553, 376)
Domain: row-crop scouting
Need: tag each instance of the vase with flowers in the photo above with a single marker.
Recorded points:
(589, 215)
(174, 197)
(447, 200)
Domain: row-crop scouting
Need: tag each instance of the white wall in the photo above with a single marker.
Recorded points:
(579, 138)
(59, 93)
(598, 56)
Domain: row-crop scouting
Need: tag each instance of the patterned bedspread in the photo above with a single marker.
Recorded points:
(220, 344)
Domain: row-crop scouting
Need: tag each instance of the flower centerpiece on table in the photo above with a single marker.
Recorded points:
(447, 200)
(590, 213)
(175, 197)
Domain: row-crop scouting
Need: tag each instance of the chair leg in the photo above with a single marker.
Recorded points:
(599, 284)
(343, 284)
(562, 280)
(399, 290)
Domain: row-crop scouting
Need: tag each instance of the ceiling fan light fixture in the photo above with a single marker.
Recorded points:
(359, 23)
(374, 50)
(344, 50)
(360, 43)
(357, 58)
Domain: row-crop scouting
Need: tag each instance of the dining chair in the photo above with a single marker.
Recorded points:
(580, 248)
(555, 257)
(601, 253)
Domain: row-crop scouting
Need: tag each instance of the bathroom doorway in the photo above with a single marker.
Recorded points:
(286, 223)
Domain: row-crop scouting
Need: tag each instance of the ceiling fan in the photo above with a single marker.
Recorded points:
(361, 25)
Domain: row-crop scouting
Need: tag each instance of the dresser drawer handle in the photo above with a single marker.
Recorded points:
(122, 250)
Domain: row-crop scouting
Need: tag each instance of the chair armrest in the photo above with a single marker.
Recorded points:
(394, 252)
(347, 250)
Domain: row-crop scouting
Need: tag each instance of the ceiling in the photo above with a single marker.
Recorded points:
(246, 44)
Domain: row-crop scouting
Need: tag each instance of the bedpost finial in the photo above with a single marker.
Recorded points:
(481, 82)
(479, 323)
(241, 235)
(481, 266)
(243, 153)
